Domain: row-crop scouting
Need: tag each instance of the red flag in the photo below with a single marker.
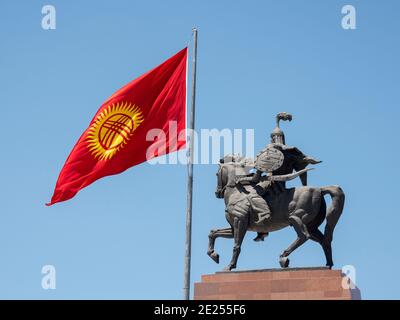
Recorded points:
(116, 137)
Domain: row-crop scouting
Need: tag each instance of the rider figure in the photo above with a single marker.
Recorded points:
(277, 158)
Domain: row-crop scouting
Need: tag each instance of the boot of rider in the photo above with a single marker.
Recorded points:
(260, 236)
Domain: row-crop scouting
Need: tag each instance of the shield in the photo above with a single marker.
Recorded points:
(269, 160)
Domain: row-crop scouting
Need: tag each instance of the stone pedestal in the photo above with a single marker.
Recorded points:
(275, 284)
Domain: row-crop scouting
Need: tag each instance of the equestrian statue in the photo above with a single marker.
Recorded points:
(256, 199)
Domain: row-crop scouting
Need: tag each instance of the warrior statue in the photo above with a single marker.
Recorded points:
(275, 159)
(260, 201)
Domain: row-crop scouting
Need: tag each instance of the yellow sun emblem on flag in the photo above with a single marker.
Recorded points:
(112, 129)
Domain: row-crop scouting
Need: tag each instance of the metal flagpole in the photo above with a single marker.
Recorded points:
(188, 241)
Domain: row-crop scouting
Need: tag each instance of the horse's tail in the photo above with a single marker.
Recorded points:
(334, 211)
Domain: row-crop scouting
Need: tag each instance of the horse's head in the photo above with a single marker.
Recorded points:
(229, 167)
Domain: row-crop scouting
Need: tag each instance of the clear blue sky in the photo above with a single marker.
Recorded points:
(123, 236)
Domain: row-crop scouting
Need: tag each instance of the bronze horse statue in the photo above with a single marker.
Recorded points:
(304, 208)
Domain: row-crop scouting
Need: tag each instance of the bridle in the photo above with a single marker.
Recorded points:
(220, 189)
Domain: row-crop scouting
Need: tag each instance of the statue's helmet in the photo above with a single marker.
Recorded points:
(277, 135)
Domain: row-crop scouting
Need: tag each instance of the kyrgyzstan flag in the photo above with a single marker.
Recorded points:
(117, 137)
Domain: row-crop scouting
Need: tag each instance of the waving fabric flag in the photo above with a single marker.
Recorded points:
(116, 137)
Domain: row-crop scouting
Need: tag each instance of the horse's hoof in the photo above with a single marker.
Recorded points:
(215, 257)
(284, 262)
(228, 268)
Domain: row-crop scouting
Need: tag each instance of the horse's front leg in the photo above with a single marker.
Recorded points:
(214, 234)
(239, 231)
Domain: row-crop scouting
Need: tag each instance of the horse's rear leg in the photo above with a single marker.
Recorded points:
(302, 236)
(214, 234)
(332, 218)
(333, 213)
(318, 236)
(298, 224)
(283, 258)
(239, 231)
